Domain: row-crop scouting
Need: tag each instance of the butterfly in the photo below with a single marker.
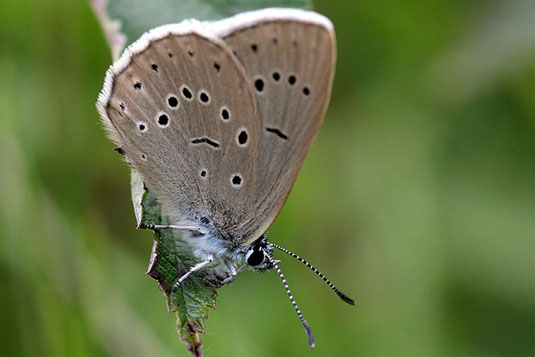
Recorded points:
(217, 117)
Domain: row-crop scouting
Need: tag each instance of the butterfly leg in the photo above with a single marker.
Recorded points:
(166, 226)
(194, 268)
(233, 273)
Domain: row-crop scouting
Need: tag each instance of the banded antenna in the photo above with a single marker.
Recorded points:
(304, 322)
(342, 296)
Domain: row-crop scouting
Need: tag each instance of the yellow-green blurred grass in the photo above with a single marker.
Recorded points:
(417, 199)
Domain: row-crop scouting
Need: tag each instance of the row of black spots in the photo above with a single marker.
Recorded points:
(292, 79)
(187, 94)
(236, 180)
(190, 53)
(205, 140)
(259, 83)
(162, 120)
(275, 41)
(277, 132)
(154, 66)
(276, 77)
(122, 152)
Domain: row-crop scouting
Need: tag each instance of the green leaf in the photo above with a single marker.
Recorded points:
(126, 20)
(171, 257)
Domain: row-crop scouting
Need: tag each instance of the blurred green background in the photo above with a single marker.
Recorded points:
(417, 198)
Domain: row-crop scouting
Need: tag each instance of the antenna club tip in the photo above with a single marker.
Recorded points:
(310, 336)
(347, 299)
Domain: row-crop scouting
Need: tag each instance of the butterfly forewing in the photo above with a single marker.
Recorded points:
(180, 107)
(289, 58)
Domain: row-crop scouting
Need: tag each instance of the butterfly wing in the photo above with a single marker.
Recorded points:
(180, 106)
(289, 58)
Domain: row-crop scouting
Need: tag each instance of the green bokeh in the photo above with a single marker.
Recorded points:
(417, 198)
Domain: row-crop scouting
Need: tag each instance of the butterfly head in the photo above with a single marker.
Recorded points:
(259, 255)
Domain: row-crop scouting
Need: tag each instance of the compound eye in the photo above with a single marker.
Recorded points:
(255, 257)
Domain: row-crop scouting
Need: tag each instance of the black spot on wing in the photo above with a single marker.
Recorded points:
(277, 132)
(205, 140)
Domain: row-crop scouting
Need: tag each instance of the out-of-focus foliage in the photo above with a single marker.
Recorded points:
(138, 16)
(124, 21)
(417, 198)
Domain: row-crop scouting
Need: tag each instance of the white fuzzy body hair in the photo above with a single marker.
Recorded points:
(210, 243)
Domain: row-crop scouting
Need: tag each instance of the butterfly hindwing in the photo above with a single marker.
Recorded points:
(289, 58)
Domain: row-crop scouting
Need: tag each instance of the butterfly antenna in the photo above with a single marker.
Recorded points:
(304, 322)
(342, 296)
